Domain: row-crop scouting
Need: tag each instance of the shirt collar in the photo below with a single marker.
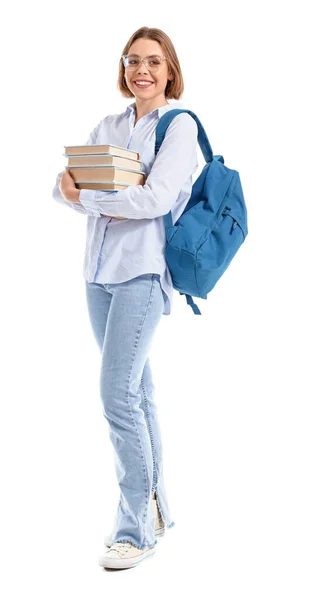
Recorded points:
(158, 111)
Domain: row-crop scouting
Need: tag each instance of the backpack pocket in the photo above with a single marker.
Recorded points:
(234, 220)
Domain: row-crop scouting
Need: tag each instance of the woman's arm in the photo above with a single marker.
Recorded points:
(174, 163)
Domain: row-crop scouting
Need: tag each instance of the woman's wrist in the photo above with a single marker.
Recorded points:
(73, 195)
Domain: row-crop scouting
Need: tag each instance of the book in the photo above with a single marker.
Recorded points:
(102, 160)
(104, 187)
(102, 149)
(106, 174)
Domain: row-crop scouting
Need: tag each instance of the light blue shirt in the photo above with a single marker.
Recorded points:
(119, 250)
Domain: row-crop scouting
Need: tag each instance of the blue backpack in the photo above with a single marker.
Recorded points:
(209, 232)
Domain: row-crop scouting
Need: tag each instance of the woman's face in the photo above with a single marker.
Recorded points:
(143, 48)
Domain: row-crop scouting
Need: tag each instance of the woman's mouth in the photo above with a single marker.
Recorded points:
(141, 85)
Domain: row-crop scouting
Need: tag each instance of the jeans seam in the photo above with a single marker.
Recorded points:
(127, 398)
(149, 427)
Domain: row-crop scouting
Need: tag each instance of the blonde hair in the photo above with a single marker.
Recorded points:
(174, 89)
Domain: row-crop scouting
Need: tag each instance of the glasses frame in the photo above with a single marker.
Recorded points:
(124, 56)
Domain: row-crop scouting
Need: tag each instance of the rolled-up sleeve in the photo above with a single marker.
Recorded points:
(174, 163)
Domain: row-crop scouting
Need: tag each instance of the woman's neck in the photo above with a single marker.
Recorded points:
(145, 110)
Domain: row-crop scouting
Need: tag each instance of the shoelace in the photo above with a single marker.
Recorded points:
(121, 547)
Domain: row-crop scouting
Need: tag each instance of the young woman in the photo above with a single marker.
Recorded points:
(128, 284)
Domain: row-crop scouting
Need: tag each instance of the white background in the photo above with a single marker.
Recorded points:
(232, 385)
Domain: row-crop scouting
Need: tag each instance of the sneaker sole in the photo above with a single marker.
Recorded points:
(124, 563)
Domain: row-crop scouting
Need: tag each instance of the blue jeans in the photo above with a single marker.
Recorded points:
(124, 317)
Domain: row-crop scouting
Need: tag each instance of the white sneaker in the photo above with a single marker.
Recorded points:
(123, 555)
(158, 526)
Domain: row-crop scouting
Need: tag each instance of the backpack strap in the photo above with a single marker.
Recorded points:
(166, 119)
(203, 141)
(194, 306)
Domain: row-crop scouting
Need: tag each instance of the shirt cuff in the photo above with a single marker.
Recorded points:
(96, 202)
(87, 199)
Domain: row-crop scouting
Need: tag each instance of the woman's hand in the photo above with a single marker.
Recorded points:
(69, 191)
(67, 187)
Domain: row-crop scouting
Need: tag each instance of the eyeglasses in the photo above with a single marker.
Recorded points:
(153, 62)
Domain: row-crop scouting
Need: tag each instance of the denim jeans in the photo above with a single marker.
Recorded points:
(124, 317)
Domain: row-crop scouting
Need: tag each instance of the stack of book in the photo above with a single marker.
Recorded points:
(104, 167)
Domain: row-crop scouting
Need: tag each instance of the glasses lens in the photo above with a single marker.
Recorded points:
(132, 61)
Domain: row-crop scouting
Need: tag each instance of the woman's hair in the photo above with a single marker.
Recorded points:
(174, 88)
